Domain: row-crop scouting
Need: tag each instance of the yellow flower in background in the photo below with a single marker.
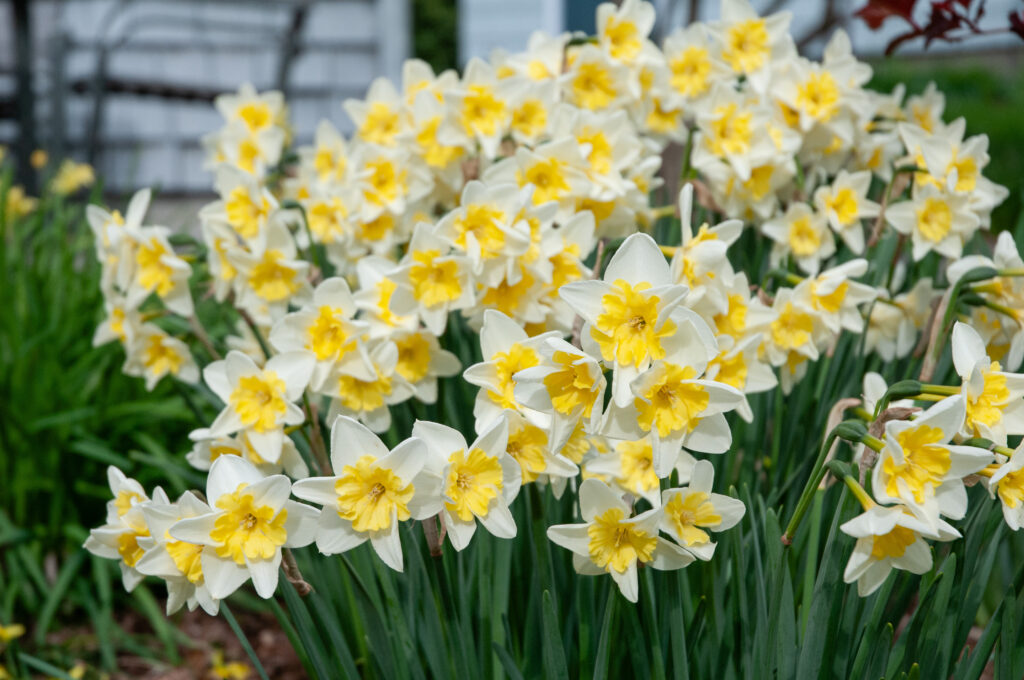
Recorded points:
(234, 670)
(38, 159)
(71, 177)
(19, 204)
(11, 632)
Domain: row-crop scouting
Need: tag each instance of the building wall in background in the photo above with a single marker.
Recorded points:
(207, 46)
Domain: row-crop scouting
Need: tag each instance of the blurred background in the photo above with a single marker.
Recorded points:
(127, 85)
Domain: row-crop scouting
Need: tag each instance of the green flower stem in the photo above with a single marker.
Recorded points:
(782, 275)
(872, 443)
(858, 491)
(973, 276)
(863, 414)
(687, 152)
(1003, 309)
(904, 389)
(941, 390)
(849, 430)
(317, 443)
(256, 331)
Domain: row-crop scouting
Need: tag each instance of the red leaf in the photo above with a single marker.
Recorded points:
(877, 11)
(1017, 23)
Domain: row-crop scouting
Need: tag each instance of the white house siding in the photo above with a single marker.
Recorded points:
(210, 46)
(487, 25)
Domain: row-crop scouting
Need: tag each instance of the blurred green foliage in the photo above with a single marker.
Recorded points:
(66, 413)
(990, 95)
(435, 33)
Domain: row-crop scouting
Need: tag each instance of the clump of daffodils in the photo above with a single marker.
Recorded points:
(514, 201)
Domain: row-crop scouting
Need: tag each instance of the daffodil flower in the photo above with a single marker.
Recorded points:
(245, 205)
(488, 226)
(1004, 335)
(153, 354)
(828, 97)
(252, 151)
(272, 276)
(622, 29)
(554, 171)
(739, 366)
(507, 350)
(222, 243)
(147, 265)
(373, 298)
(258, 401)
(431, 281)
(389, 179)
(701, 263)
(533, 105)
(537, 452)
(629, 465)
(728, 122)
(205, 451)
(836, 297)
(677, 407)
(954, 164)
(121, 322)
(610, 146)
(690, 512)
(633, 315)
(1007, 482)
(890, 538)
(480, 104)
(994, 398)
(108, 230)
(845, 204)
(371, 492)
(368, 400)
(328, 330)
(379, 118)
(440, 142)
(613, 542)
(421, 361)
(935, 220)
(258, 110)
(568, 385)
(796, 329)
(693, 63)
(892, 328)
(919, 466)
(478, 482)
(595, 81)
(178, 563)
(542, 60)
(123, 536)
(802, 233)
(328, 155)
(750, 44)
(250, 521)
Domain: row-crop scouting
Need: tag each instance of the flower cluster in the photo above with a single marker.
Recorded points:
(515, 201)
(920, 466)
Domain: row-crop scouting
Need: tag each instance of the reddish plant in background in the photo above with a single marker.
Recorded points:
(948, 20)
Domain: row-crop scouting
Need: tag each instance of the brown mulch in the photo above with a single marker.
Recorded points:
(208, 635)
